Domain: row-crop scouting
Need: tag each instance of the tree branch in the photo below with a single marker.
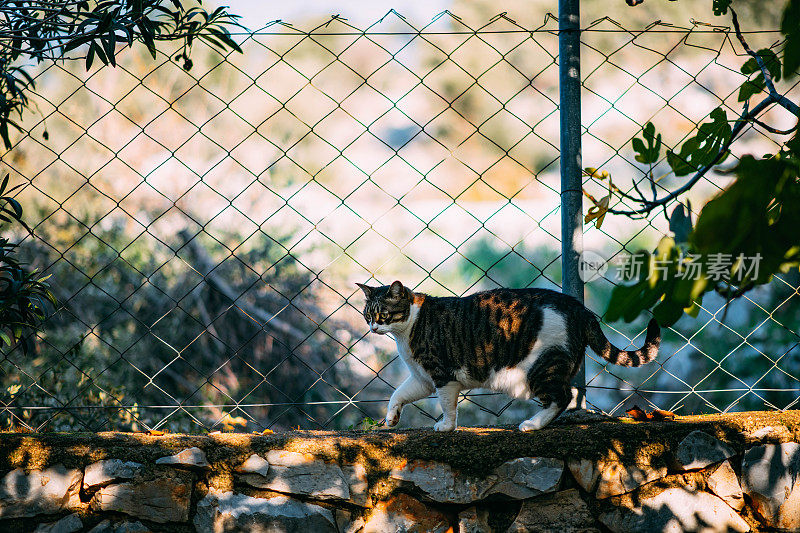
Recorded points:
(779, 98)
(741, 122)
(205, 266)
(774, 97)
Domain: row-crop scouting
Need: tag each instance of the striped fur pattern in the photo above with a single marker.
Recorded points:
(524, 342)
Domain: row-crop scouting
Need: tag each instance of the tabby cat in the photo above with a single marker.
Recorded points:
(524, 342)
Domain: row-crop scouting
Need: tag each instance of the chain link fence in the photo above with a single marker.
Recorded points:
(204, 229)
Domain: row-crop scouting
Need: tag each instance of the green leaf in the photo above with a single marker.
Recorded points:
(146, 32)
(756, 214)
(629, 299)
(76, 42)
(4, 133)
(790, 26)
(752, 87)
(759, 83)
(15, 205)
(90, 56)
(647, 154)
(100, 53)
(720, 7)
(680, 223)
(703, 148)
(770, 60)
(735, 217)
(667, 313)
(109, 43)
(693, 310)
(623, 298)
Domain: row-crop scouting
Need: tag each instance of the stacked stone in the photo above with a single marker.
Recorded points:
(703, 484)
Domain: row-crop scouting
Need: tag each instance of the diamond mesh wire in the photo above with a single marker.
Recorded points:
(204, 229)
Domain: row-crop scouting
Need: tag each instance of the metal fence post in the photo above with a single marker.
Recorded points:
(569, 59)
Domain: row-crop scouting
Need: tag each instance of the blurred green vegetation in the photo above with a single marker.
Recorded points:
(139, 326)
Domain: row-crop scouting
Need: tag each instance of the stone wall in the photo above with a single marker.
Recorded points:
(724, 473)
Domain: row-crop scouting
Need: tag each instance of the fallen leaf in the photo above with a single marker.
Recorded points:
(155, 432)
(267, 432)
(660, 414)
(636, 413)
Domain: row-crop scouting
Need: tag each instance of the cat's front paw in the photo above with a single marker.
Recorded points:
(530, 425)
(444, 425)
(393, 415)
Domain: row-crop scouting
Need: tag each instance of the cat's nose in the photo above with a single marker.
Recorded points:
(373, 327)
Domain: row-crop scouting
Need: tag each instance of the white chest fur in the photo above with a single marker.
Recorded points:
(404, 350)
(402, 337)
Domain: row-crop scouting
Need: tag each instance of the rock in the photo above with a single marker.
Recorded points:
(356, 476)
(163, 499)
(439, 482)
(223, 512)
(347, 522)
(674, 511)
(298, 473)
(724, 483)
(612, 477)
(699, 449)
(772, 432)
(771, 478)
(473, 520)
(68, 524)
(131, 527)
(526, 477)
(356, 526)
(520, 478)
(403, 513)
(191, 457)
(616, 478)
(584, 472)
(39, 492)
(103, 527)
(558, 512)
(123, 527)
(255, 464)
(109, 470)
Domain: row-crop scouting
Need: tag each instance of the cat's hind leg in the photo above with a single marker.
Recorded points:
(542, 418)
(549, 380)
(411, 390)
(578, 401)
(448, 399)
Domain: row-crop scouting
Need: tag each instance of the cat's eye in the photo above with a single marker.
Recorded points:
(384, 315)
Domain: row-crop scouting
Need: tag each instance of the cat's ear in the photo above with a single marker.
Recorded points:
(367, 289)
(396, 290)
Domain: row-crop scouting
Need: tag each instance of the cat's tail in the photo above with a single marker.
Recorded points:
(600, 344)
